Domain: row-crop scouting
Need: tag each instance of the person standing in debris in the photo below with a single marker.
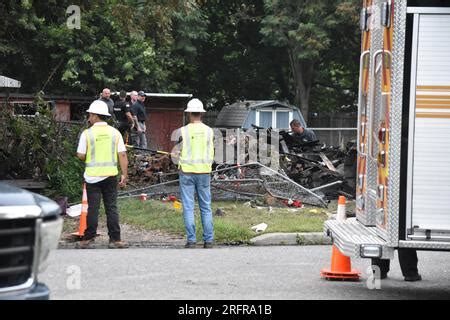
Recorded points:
(101, 147)
(140, 116)
(195, 164)
(300, 133)
(122, 111)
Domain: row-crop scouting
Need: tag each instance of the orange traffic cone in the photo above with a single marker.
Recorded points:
(341, 210)
(83, 216)
(341, 268)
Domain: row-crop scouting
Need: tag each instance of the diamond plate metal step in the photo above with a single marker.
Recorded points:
(349, 235)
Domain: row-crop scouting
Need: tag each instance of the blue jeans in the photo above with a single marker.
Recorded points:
(141, 138)
(200, 183)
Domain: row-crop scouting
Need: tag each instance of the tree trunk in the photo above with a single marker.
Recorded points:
(303, 77)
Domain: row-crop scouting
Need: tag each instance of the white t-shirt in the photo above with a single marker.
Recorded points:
(82, 148)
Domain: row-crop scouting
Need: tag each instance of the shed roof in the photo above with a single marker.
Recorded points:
(6, 82)
(162, 95)
(235, 115)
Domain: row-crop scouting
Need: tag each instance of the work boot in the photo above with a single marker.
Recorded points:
(413, 278)
(208, 245)
(117, 245)
(86, 244)
(190, 245)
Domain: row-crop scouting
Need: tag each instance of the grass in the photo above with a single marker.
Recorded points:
(234, 227)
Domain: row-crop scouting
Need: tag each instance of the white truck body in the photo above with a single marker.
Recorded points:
(403, 180)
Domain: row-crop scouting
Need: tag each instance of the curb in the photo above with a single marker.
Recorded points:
(139, 245)
(269, 239)
(291, 239)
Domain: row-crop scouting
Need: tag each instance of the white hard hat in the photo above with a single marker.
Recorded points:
(195, 105)
(99, 107)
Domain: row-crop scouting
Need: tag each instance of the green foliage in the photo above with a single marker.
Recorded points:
(319, 37)
(303, 51)
(39, 147)
(123, 45)
(233, 63)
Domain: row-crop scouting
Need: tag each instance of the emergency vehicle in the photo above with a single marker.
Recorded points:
(403, 175)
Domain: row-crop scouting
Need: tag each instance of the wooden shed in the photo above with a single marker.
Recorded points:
(165, 114)
(266, 114)
(65, 108)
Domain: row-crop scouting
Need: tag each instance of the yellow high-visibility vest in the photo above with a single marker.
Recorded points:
(197, 154)
(101, 155)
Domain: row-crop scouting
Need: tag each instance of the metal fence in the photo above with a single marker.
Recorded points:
(335, 136)
(332, 129)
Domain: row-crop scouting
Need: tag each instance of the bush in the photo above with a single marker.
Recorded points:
(41, 148)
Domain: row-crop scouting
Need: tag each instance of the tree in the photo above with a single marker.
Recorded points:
(20, 25)
(302, 51)
(232, 63)
(336, 79)
(305, 28)
(116, 47)
(121, 44)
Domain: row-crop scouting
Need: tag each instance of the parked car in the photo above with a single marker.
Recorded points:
(30, 227)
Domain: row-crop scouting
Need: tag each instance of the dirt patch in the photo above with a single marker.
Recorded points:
(134, 236)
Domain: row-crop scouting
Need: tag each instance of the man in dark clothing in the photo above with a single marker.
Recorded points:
(139, 115)
(408, 263)
(106, 98)
(302, 134)
(122, 111)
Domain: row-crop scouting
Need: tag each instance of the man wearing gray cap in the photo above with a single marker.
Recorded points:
(140, 116)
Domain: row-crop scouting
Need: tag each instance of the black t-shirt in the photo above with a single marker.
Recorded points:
(120, 110)
(138, 109)
(110, 105)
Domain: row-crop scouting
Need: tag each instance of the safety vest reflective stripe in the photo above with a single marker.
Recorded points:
(101, 165)
(93, 163)
(187, 138)
(208, 145)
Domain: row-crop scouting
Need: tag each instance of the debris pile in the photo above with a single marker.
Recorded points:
(245, 182)
(321, 168)
(150, 168)
(309, 173)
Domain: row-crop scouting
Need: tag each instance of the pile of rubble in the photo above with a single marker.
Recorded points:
(147, 168)
(317, 167)
(309, 174)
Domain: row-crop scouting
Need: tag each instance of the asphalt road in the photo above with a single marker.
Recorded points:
(230, 273)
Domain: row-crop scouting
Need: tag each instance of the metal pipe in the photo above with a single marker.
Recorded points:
(327, 186)
(238, 180)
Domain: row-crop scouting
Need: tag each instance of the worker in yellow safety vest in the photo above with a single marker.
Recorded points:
(101, 147)
(195, 163)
